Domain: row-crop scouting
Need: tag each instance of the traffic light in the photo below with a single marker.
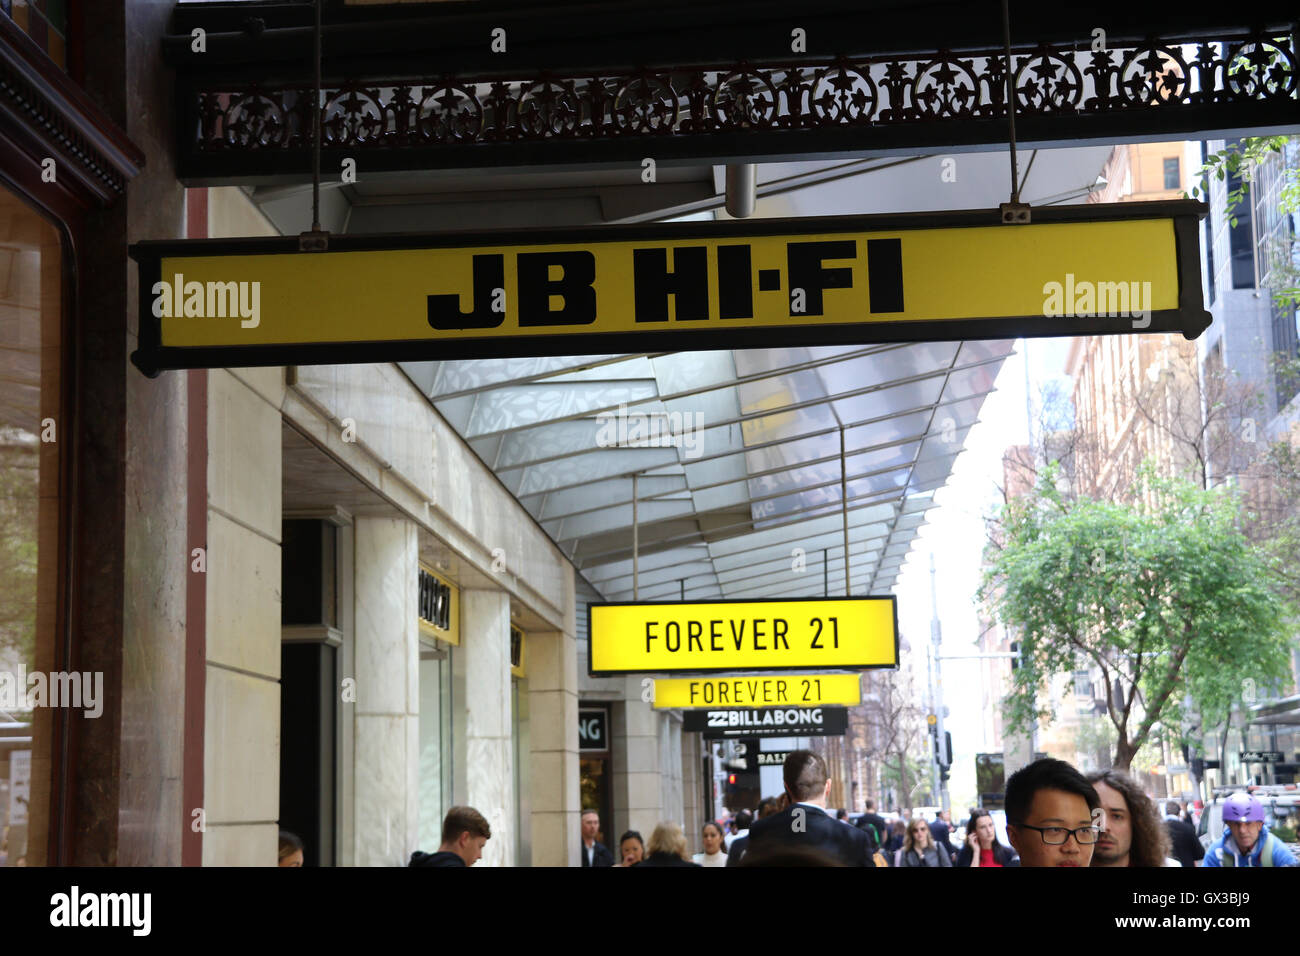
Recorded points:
(943, 774)
(943, 752)
(1015, 661)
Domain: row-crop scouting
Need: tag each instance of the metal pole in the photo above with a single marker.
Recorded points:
(826, 575)
(742, 189)
(934, 760)
(936, 638)
(636, 541)
(682, 584)
(844, 500)
(1011, 104)
(315, 133)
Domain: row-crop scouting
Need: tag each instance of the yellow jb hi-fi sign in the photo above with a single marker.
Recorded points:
(1074, 270)
(758, 690)
(796, 634)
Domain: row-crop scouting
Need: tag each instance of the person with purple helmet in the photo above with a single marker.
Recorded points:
(1246, 840)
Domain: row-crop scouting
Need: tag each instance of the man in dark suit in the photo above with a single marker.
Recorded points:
(593, 853)
(1187, 848)
(805, 825)
(941, 831)
(739, 846)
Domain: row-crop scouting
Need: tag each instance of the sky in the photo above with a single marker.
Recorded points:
(954, 535)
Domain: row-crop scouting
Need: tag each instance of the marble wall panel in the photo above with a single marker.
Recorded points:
(244, 454)
(249, 844)
(241, 759)
(243, 598)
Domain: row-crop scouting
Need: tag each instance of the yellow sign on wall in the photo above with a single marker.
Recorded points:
(1130, 267)
(799, 634)
(765, 690)
(438, 606)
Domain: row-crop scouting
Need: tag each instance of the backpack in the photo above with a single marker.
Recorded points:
(1265, 857)
(872, 836)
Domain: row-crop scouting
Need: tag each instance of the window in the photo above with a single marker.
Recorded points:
(45, 21)
(435, 742)
(1173, 179)
(31, 435)
(1241, 237)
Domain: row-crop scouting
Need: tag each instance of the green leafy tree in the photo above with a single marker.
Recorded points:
(1166, 596)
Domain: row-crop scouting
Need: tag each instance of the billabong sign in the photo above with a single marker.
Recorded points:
(793, 634)
(593, 729)
(737, 284)
(768, 722)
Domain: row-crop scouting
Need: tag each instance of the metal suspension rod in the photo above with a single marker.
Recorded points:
(844, 503)
(1011, 101)
(315, 132)
(636, 541)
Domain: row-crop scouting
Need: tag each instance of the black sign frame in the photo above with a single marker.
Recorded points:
(1262, 756)
(1190, 318)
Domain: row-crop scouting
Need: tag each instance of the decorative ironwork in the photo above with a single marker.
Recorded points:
(454, 111)
(97, 158)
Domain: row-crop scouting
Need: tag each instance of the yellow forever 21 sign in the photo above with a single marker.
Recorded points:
(802, 634)
(764, 690)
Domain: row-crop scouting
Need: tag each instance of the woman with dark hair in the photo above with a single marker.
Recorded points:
(982, 847)
(631, 849)
(714, 854)
(290, 849)
(919, 848)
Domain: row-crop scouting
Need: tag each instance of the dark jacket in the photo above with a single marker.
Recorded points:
(914, 857)
(1182, 836)
(881, 831)
(665, 859)
(820, 832)
(1002, 855)
(738, 848)
(600, 857)
(942, 834)
(441, 858)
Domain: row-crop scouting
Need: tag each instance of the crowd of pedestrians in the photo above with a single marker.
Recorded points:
(1055, 816)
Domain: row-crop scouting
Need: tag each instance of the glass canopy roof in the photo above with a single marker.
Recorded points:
(733, 458)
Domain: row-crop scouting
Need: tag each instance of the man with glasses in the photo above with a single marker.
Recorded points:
(1053, 814)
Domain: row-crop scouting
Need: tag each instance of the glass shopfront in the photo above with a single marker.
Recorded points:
(32, 436)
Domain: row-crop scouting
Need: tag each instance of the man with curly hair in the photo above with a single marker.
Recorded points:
(1134, 834)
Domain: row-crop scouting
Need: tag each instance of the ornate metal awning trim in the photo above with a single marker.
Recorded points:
(717, 111)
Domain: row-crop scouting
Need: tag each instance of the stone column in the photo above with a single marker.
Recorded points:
(638, 763)
(241, 754)
(489, 752)
(387, 728)
(553, 739)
